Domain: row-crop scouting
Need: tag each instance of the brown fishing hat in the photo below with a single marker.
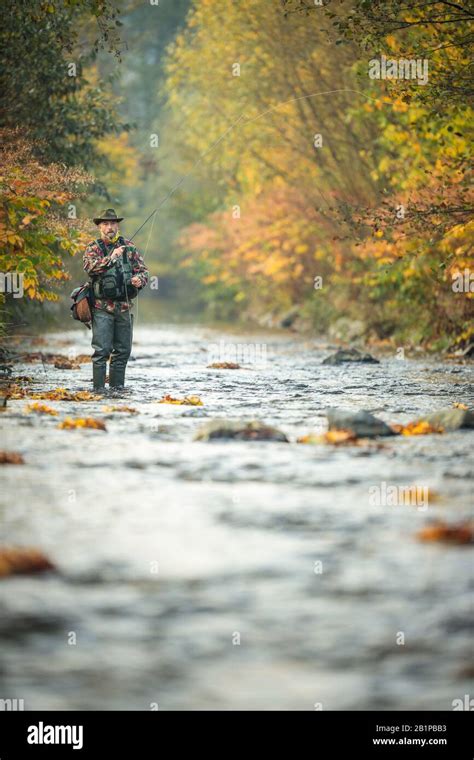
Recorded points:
(108, 215)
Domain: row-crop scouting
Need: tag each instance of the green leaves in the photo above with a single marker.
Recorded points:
(45, 90)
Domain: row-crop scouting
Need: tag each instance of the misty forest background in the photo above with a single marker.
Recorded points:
(110, 104)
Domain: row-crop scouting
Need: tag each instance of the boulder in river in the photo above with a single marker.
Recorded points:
(361, 423)
(239, 430)
(452, 419)
(344, 355)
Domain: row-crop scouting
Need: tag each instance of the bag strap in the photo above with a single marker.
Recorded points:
(101, 243)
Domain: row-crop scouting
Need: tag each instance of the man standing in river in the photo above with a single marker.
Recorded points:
(117, 273)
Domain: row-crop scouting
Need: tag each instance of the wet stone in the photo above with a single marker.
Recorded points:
(240, 431)
(362, 423)
(345, 355)
(452, 419)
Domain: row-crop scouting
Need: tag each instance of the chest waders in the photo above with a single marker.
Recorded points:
(124, 261)
(113, 332)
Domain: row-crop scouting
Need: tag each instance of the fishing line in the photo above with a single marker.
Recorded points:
(211, 147)
(248, 121)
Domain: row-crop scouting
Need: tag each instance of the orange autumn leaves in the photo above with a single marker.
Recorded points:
(11, 457)
(280, 247)
(124, 409)
(381, 210)
(70, 423)
(440, 531)
(60, 394)
(349, 437)
(81, 422)
(15, 391)
(186, 401)
(41, 409)
(22, 560)
(34, 238)
(419, 427)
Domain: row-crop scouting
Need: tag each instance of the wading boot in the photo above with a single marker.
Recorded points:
(98, 377)
(116, 378)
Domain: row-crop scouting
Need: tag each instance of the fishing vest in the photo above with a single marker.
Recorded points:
(115, 283)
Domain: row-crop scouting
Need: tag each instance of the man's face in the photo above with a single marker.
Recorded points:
(108, 229)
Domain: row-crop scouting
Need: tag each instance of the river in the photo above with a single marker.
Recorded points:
(232, 574)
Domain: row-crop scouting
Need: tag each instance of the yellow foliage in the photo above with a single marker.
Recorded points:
(61, 394)
(41, 409)
(419, 427)
(123, 158)
(128, 409)
(186, 401)
(81, 422)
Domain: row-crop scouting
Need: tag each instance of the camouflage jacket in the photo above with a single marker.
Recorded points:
(95, 263)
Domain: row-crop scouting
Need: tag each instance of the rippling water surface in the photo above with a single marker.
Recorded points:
(235, 575)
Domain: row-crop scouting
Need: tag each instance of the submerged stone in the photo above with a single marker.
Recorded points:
(344, 355)
(362, 423)
(452, 419)
(240, 431)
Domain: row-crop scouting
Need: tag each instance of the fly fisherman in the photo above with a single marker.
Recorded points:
(117, 272)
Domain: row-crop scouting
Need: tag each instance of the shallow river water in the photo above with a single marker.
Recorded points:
(235, 575)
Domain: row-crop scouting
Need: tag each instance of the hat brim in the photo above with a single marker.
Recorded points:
(118, 219)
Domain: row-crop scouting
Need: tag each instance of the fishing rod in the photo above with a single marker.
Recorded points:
(247, 121)
(211, 147)
(155, 211)
(229, 129)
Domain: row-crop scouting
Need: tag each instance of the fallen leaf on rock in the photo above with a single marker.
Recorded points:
(129, 409)
(11, 457)
(61, 394)
(187, 400)
(337, 437)
(19, 560)
(14, 391)
(340, 438)
(40, 356)
(48, 358)
(36, 406)
(224, 365)
(81, 422)
(334, 437)
(66, 364)
(362, 423)
(462, 533)
(419, 427)
(310, 438)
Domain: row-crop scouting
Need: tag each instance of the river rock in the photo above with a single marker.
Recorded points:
(344, 355)
(362, 423)
(451, 419)
(240, 431)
